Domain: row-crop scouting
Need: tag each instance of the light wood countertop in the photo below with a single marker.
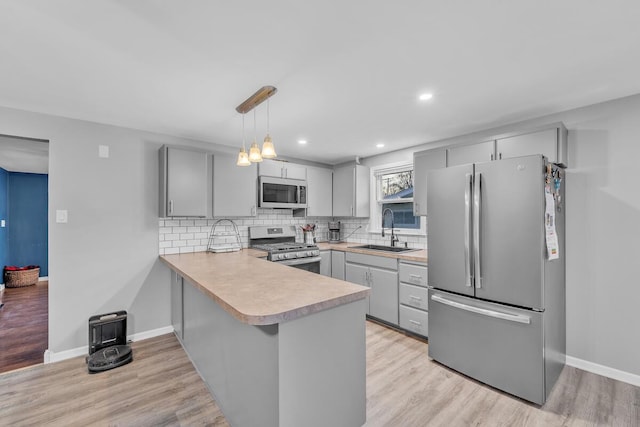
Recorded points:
(417, 256)
(260, 292)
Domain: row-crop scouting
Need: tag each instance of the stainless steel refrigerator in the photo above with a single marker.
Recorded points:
(496, 300)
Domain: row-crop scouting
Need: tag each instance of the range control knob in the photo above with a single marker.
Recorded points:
(310, 253)
(286, 255)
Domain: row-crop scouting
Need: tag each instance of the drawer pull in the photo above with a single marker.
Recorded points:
(415, 297)
(415, 276)
(415, 322)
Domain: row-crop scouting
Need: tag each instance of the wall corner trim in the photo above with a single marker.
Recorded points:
(605, 371)
(51, 357)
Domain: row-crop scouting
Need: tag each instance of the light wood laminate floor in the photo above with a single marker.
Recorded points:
(161, 387)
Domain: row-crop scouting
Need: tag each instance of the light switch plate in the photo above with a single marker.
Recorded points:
(61, 216)
(103, 151)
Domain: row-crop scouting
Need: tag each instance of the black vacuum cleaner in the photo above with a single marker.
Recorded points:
(108, 347)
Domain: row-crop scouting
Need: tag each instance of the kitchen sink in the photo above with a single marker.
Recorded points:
(384, 248)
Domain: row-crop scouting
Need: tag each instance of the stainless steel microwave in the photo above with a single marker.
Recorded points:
(282, 193)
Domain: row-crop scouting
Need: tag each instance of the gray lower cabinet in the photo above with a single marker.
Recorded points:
(325, 263)
(337, 265)
(381, 275)
(413, 298)
(177, 312)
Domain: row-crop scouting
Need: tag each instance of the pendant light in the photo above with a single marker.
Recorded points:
(243, 156)
(254, 151)
(268, 150)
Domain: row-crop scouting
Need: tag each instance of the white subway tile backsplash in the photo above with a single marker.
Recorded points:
(183, 235)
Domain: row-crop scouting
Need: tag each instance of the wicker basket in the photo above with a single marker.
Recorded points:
(21, 278)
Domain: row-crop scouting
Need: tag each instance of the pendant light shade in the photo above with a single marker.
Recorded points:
(254, 153)
(268, 150)
(254, 150)
(243, 156)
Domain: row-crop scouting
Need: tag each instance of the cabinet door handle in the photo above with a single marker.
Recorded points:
(253, 210)
(170, 206)
(415, 297)
(415, 276)
(416, 208)
(415, 322)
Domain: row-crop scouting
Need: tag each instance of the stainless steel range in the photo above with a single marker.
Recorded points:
(280, 244)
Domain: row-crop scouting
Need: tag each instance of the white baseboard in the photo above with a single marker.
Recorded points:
(1, 286)
(605, 371)
(50, 356)
(43, 278)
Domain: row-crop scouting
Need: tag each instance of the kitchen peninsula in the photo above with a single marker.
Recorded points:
(277, 346)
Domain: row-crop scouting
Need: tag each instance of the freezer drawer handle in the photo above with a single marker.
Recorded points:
(491, 313)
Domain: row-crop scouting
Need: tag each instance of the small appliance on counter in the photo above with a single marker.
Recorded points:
(334, 231)
(108, 347)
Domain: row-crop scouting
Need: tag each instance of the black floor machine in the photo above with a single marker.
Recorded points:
(108, 347)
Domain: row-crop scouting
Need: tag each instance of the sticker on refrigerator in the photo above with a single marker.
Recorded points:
(553, 251)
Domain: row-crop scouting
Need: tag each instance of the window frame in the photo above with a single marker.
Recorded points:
(375, 214)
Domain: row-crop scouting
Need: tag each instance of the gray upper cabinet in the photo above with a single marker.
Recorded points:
(552, 143)
(422, 162)
(282, 169)
(351, 191)
(319, 191)
(186, 182)
(234, 187)
(474, 153)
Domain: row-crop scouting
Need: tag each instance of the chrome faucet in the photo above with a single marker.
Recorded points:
(394, 238)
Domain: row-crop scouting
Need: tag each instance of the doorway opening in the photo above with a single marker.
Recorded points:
(24, 201)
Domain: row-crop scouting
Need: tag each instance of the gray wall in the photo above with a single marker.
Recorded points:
(603, 227)
(106, 257)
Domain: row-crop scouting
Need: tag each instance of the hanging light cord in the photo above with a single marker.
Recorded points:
(255, 133)
(243, 147)
(267, 116)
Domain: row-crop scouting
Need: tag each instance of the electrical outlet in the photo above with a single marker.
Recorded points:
(103, 151)
(2, 223)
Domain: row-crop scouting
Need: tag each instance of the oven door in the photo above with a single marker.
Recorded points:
(311, 264)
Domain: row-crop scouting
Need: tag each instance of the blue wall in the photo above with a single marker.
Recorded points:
(4, 200)
(27, 225)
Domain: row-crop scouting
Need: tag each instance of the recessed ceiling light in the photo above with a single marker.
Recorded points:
(379, 145)
(302, 141)
(425, 96)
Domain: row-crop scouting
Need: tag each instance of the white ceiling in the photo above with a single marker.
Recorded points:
(348, 72)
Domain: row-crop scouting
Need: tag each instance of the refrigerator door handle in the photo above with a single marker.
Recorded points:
(468, 267)
(483, 311)
(477, 213)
